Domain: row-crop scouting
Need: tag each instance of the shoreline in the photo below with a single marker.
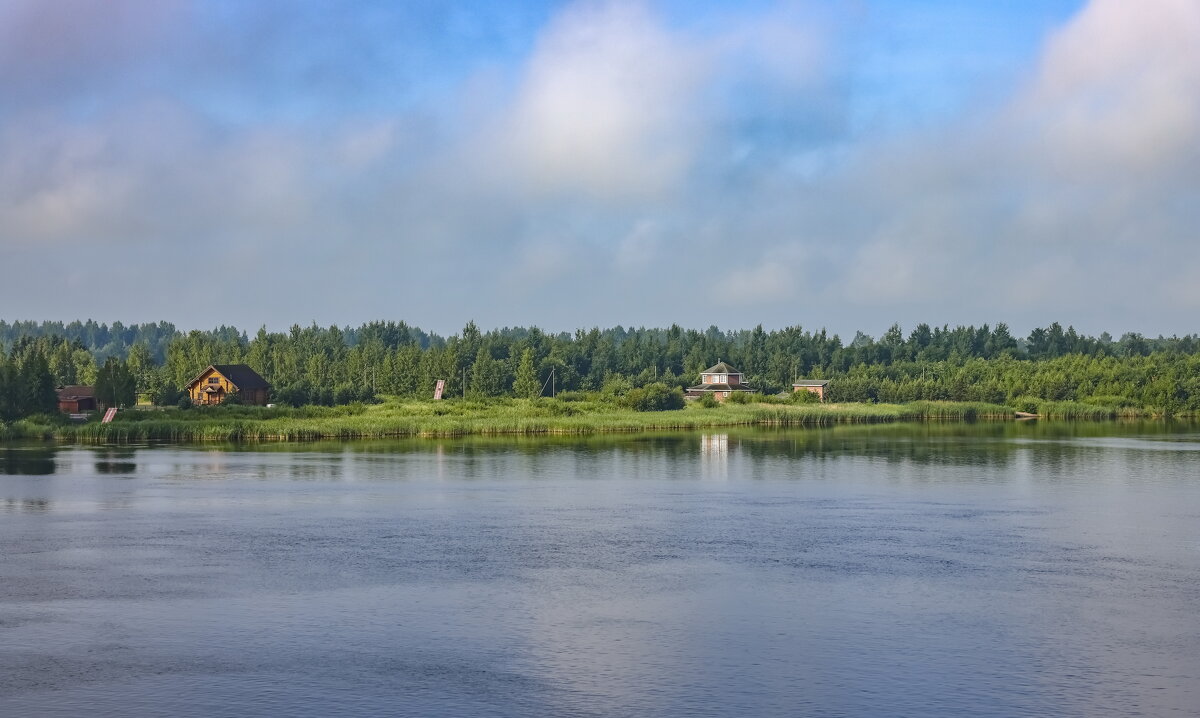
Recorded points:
(515, 417)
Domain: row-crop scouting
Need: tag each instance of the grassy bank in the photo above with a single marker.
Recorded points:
(398, 418)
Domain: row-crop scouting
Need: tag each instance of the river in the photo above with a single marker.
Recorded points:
(991, 569)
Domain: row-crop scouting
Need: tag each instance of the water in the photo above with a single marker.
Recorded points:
(990, 570)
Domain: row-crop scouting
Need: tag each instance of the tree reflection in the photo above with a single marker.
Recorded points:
(33, 461)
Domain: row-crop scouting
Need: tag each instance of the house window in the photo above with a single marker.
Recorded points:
(214, 380)
(720, 379)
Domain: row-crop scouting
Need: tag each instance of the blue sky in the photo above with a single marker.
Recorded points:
(567, 164)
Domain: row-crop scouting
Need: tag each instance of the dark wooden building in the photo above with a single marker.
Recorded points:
(76, 399)
(219, 381)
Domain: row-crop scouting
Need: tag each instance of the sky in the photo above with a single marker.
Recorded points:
(844, 165)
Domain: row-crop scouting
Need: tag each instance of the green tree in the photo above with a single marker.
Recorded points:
(654, 397)
(141, 365)
(526, 384)
(35, 387)
(115, 384)
(487, 375)
(85, 367)
(8, 389)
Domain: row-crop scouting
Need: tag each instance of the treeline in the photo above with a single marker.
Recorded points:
(316, 365)
(1161, 382)
(26, 386)
(116, 340)
(100, 340)
(35, 367)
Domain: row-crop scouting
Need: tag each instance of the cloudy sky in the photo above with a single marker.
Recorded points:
(568, 164)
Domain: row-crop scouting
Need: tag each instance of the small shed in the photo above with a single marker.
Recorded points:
(76, 399)
(812, 386)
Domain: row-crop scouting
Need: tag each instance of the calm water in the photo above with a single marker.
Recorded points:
(997, 570)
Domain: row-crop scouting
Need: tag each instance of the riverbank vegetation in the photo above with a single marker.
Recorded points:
(395, 417)
(1052, 372)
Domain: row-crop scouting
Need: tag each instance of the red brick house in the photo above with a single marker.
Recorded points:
(720, 380)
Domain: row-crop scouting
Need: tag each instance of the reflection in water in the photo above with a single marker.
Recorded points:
(714, 445)
(714, 456)
(36, 506)
(31, 461)
(921, 569)
(115, 467)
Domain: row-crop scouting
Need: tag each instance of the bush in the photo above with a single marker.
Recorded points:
(185, 402)
(654, 397)
(708, 401)
(169, 396)
(772, 398)
(617, 385)
(1026, 404)
(47, 419)
(1118, 402)
(344, 394)
(550, 407)
(804, 397)
(740, 397)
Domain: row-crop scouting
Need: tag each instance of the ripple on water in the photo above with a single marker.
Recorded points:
(1026, 578)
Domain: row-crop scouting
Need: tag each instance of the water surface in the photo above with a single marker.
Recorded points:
(988, 569)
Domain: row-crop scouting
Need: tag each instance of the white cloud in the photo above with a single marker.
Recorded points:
(1120, 85)
(625, 147)
(605, 104)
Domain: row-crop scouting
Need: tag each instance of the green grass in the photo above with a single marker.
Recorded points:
(1076, 410)
(499, 417)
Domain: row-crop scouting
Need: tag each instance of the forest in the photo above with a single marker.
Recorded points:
(329, 366)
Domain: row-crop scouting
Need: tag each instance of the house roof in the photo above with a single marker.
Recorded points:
(810, 382)
(240, 375)
(721, 387)
(720, 368)
(76, 391)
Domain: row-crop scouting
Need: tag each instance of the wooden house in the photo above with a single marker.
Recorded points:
(812, 386)
(218, 381)
(720, 380)
(76, 399)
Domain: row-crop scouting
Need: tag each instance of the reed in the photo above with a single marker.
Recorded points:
(513, 417)
(1078, 410)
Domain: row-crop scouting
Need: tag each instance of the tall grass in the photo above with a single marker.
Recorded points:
(1076, 410)
(395, 418)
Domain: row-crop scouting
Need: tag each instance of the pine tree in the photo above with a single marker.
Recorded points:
(8, 389)
(35, 387)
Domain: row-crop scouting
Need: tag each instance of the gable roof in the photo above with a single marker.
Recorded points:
(240, 375)
(76, 391)
(810, 382)
(720, 368)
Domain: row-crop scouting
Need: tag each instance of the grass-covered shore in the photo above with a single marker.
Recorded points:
(517, 417)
